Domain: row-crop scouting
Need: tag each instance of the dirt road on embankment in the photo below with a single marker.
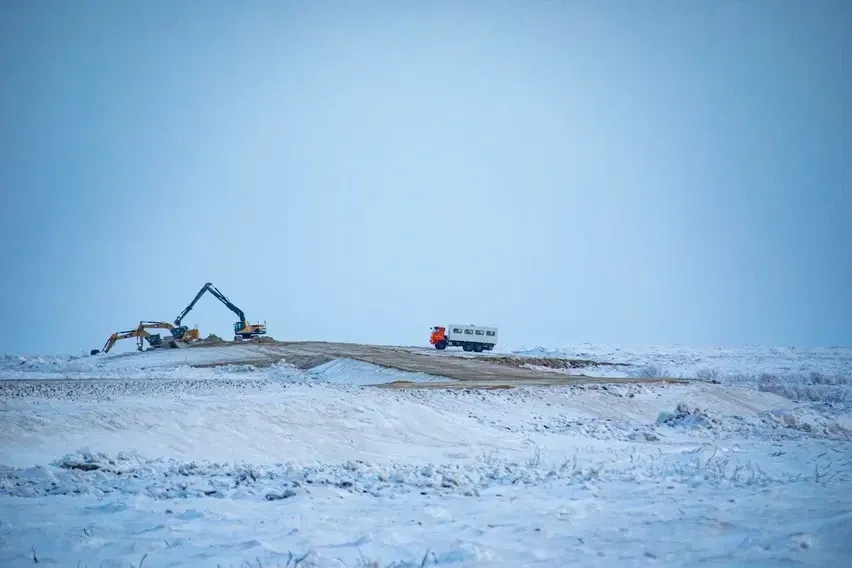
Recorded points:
(468, 370)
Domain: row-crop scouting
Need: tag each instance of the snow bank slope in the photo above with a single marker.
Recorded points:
(202, 363)
(351, 372)
(265, 421)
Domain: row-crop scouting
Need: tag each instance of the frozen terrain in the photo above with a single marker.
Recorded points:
(816, 374)
(150, 459)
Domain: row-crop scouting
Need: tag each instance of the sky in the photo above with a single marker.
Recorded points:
(614, 172)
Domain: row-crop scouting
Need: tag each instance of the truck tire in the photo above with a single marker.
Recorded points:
(441, 345)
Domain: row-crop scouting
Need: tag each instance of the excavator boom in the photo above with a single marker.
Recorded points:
(140, 333)
(209, 287)
(155, 325)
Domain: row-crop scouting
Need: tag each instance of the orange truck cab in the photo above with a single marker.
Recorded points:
(439, 337)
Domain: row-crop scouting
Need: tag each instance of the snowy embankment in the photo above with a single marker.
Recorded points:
(807, 374)
(270, 465)
(203, 363)
(161, 363)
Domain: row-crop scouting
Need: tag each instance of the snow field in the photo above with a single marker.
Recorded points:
(236, 464)
(595, 524)
(506, 514)
(808, 374)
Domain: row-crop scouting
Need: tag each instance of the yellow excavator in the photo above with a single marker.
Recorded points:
(242, 328)
(154, 340)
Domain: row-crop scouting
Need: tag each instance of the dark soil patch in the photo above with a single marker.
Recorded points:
(550, 362)
(258, 363)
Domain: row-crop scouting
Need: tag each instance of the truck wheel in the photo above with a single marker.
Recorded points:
(441, 345)
(477, 348)
(466, 347)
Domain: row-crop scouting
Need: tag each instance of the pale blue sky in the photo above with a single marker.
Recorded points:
(579, 171)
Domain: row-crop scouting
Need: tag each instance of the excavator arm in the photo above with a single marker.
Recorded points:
(209, 287)
(118, 335)
(241, 327)
(155, 325)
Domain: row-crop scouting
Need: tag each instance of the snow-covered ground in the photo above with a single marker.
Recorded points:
(815, 374)
(160, 363)
(273, 466)
(225, 362)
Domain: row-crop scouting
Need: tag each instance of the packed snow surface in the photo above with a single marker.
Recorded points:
(150, 460)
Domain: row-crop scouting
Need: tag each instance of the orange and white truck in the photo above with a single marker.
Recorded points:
(468, 337)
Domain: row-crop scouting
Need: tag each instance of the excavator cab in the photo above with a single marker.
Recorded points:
(245, 330)
(184, 333)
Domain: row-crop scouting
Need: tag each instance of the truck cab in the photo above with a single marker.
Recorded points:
(439, 337)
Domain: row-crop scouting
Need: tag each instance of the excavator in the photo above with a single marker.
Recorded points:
(242, 328)
(182, 334)
(154, 340)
